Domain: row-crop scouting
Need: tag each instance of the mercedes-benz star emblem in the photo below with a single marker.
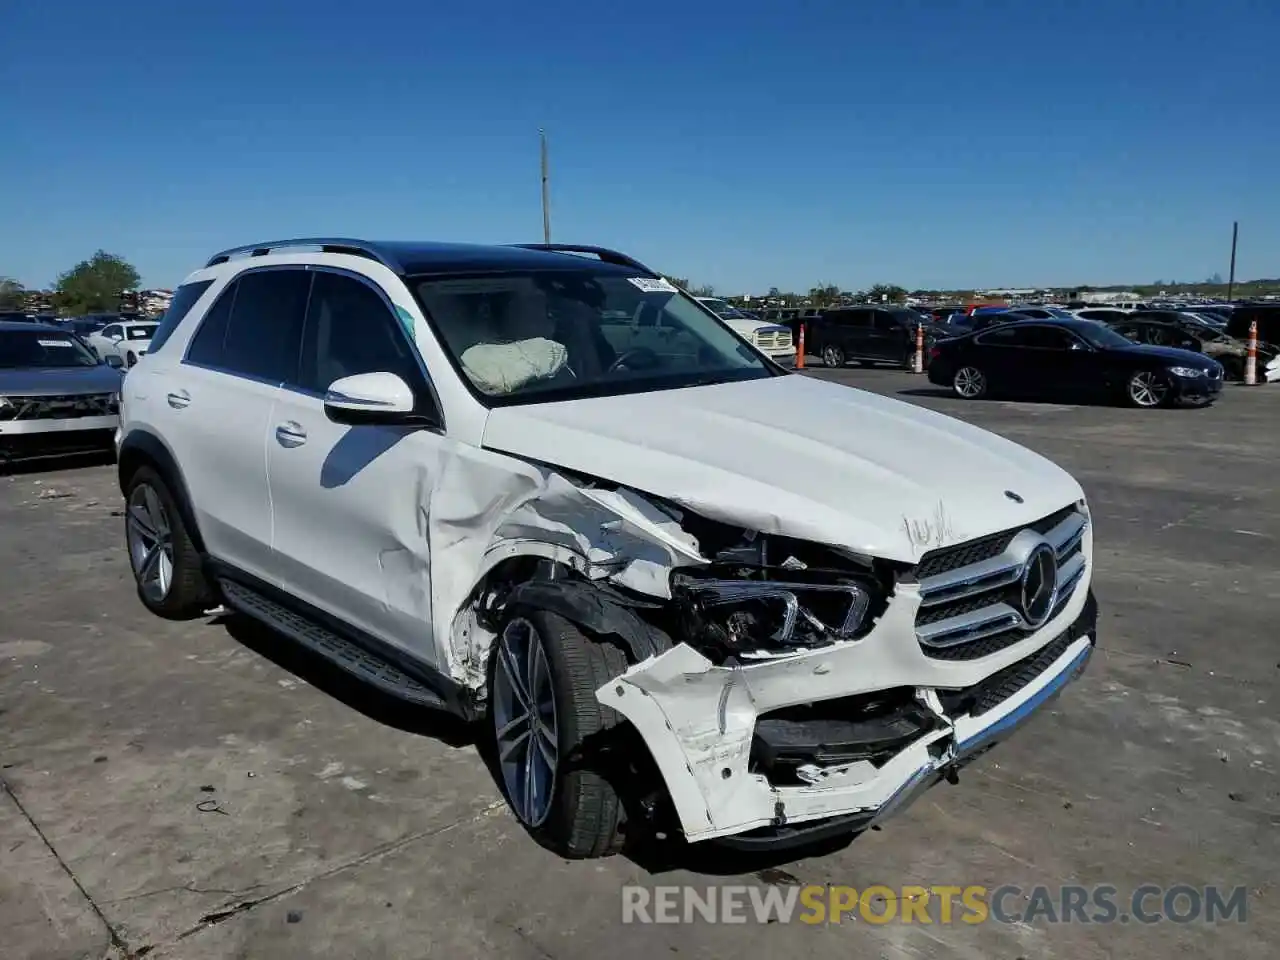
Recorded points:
(1039, 584)
(1016, 498)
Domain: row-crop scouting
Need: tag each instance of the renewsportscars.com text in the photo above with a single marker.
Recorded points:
(938, 904)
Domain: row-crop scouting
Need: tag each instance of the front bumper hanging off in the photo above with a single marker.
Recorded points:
(723, 758)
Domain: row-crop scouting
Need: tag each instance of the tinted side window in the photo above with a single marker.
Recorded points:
(885, 322)
(111, 332)
(1046, 338)
(1003, 336)
(850, 318)
(184, 298)
(265, 332)
(206, 345)
(351, 330)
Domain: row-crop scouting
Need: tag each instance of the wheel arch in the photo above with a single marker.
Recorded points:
(143, 448)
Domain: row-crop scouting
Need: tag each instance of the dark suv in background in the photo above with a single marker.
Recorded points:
(1267, 315)
(865, 334)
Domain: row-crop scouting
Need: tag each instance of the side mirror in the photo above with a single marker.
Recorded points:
(114, 362)
(374, 398)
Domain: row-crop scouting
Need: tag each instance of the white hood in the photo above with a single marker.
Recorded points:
(799, 457)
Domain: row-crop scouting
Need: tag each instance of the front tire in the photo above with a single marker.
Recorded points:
(167, 568)
(1146, 389)
(969, 383)
(832, 356)
(547, 725)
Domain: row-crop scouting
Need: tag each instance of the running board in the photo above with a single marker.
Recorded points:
(344, 654)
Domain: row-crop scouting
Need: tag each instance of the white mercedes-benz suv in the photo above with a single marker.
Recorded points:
(541, 487)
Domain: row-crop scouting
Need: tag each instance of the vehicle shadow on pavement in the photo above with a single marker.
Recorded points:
(652, 848)
(55, 465)
(938, 392)
(336, 683)
(942, 393)
(712, 859)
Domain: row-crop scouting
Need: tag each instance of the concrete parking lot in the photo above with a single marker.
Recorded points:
(199, 790)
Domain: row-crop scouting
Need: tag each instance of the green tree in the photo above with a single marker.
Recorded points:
(887, 291)
(12, 294)
(95, 285)
(824, 294)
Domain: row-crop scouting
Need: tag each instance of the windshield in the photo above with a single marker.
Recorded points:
(1100, 335)
(557, 335)
(142, 331)
(42, 348)
(725, 310)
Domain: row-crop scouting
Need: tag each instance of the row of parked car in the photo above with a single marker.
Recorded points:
(1143, 356)
(123, 336)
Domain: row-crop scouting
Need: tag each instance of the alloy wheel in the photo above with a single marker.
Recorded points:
(1146, 389)
(524, 710)
(150, 538)
(832, 356)
(970, 382)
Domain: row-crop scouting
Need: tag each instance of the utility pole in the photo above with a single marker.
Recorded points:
(546, 196)
(1235, 233)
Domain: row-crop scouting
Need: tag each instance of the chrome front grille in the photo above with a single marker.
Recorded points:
(975, 599)
(779, 340)
(64, 407)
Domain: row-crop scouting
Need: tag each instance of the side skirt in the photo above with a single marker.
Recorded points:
(366, 658)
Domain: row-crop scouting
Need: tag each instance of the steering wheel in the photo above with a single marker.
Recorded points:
(651, 357)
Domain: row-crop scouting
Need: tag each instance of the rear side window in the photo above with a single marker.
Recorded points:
(850, 318)
(206, 345)
(184, 298)
(1001, 337)
(264, 335)
(1044, 338)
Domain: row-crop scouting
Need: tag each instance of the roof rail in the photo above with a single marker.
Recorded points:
(357, 248)
(604, 253)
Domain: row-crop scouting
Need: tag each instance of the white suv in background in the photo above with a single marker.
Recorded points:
(771, 339)
(685, 588)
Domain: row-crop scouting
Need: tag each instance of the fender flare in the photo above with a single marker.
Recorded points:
(142, 447)
(596, 607)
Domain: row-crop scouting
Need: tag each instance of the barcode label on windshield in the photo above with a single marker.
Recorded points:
(651, 285)
(55, 343)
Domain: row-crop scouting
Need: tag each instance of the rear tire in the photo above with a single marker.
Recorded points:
(582, 814)
(167, 568)
(969, 383)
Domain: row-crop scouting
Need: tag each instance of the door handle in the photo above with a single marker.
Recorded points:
(179, 399)
(290, 434)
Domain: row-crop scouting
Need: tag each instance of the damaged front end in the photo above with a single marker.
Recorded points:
(783, 687)
(803, 694)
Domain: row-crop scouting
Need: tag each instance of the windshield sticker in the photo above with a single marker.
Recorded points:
(406, 319)
(651, 284)
(55, 343)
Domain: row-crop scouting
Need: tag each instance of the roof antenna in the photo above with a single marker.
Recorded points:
(546, 196)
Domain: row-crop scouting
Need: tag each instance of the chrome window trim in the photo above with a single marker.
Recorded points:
(312, 268)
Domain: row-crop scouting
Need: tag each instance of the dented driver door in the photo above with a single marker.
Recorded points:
(349, 503)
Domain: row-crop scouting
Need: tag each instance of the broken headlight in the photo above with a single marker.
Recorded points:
(758, 619)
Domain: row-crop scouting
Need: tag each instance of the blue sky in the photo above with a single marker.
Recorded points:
(942, 143)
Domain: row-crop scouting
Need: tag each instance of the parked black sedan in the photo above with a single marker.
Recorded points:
(1071, 358)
